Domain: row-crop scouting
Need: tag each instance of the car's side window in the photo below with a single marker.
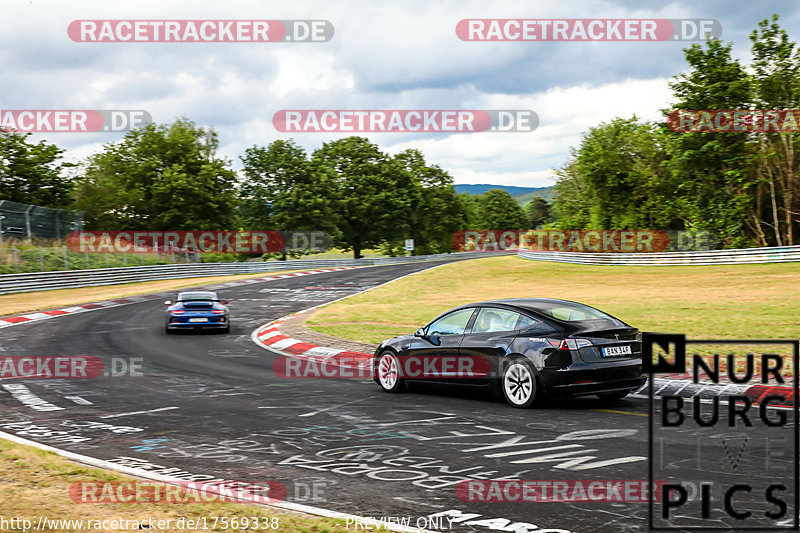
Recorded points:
(526, 322)
(491, 320)
(451, 324)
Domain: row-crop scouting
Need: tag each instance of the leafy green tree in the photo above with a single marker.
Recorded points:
(573, 199)
(470, 208)
(159, 177)
(499, 210)
(283, 191)
(742, 187)
(617, 179)
(435, 213)
(776, 85)
(370, 196)
(31, 173)
(538, 212)
(712, 173)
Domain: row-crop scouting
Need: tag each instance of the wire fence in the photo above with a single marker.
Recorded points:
(25, 221)
(20, 256)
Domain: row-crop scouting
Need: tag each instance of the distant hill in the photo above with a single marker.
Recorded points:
(523, 195)
(548, 193)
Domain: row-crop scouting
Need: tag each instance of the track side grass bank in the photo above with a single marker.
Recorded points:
(35, 484)
(726, 301)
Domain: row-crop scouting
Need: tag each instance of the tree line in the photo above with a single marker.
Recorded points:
(170, 177)
(743, 187)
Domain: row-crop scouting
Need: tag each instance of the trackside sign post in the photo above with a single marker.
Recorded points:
(727, 452)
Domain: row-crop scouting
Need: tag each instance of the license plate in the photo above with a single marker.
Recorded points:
(613, 351)
(198, 320)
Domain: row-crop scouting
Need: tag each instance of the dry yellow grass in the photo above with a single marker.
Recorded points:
(35, 483)
(728, 301)
(35, 301)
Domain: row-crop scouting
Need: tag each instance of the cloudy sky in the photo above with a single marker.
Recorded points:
(398, 55)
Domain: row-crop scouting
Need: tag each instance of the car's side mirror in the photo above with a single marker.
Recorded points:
(167, 302)
(420, 332)
(225, 302)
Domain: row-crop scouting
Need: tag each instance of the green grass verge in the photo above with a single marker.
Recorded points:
(727, 302)
(36, 483)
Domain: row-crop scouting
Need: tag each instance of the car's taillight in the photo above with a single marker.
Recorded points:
(575, 344)
(569, 344)
(639, 337)
(176, 312)
(218, 311)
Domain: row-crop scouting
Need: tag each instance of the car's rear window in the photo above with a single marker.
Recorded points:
(571, 312)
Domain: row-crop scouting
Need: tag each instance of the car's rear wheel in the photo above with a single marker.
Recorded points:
(616, 395)
(389, 372)
(519, 383)
(167, 331)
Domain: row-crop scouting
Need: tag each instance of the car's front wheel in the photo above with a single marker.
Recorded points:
(519, 383)
(389, 372)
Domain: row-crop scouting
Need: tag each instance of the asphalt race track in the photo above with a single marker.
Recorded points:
(209, 405)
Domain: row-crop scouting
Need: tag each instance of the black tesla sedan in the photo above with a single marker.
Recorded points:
(527, 348)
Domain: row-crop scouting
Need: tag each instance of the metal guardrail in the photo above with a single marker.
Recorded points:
(67, 279)
(777, 254)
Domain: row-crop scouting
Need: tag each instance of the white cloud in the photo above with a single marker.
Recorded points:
(512, 158)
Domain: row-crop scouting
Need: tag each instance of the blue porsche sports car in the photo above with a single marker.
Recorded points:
(197, 310)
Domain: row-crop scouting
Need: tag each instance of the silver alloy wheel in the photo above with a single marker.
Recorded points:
(518, 384)
(387, 371)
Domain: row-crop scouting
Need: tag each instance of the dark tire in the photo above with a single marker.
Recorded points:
(616, 395)
(387, 372)
(226, 330)
(168, 331)
(518, 383)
